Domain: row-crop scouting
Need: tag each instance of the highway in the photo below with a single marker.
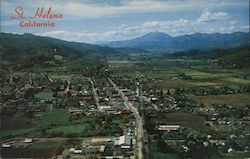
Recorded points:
(139, 120)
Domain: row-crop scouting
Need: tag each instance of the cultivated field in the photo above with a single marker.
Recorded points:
(229, 99)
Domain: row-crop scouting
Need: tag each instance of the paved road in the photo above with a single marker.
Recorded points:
(94, 91)
(139, 120)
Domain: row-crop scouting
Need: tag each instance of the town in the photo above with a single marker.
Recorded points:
(113, 115)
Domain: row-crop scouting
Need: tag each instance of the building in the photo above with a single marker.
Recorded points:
(78, 151)
(28, 140)
(6, 145)
(168, 128)
(125, 141)
(99, 141)
(102, 148)
(72, 150)
(126, 111)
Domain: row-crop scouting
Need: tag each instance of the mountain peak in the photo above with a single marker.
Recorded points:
(155, 36)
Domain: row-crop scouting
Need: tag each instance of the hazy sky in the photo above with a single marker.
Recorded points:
(106, 20)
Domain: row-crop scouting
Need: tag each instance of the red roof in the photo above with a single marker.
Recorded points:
(126, 111)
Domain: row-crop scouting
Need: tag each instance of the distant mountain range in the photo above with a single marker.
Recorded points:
(24, 51)
(161, 42)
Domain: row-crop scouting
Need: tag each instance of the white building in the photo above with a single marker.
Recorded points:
(168, 127)
(125, 141)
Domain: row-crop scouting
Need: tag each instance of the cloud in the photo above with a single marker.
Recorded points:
(121, 32)
(91, 9)
(244, 28)
(207, 16)
(166, 24)
(126, 32)
(97, 20)
(70, 36)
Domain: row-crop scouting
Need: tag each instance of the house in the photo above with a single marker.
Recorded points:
(28, 140)
(75, 110)
(109, 143)
(103, 108)
(78, 151)
(229, 150)
(126, 111)
(116, 142)
(125, 141)
(6, 145)
(102, 148)
(72, 150)
(168, 128)
(82, 102)
(153, 99)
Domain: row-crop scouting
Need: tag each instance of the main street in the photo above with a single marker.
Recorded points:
(139, 120)
(94, 91)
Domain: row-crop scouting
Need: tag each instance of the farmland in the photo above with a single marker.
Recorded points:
(187, 120)
(229, 99)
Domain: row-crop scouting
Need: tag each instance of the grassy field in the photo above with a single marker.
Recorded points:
(17, 132)
(236, 80)
(229, 99)
(49, 143)
(200, 77)
(19, 124)
(184, 119)
(58, 57)
(209, 78)
(187, 84)
(69, 129)
(159, 155)
(238, 155)
(129, 68)
(44, 95)
(56, 117)
(18, 121)
(7, 89)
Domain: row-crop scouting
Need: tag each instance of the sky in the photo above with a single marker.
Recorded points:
(95, 21)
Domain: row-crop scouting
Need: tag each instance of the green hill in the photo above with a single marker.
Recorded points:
(18, 52)
(238, 57)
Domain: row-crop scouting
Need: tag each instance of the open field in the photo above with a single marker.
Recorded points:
(229, 99)
(20, 124)
(27, 153)
(168, 73)
(160, 155)
(17, 121)
(44, 95)
(183, 119)
(238, 155)
(49, 143)
(187, 84)
(236, 80)
(69, 129)
(56, 123)
(7, 89)
(17, 132)
(56, 117)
